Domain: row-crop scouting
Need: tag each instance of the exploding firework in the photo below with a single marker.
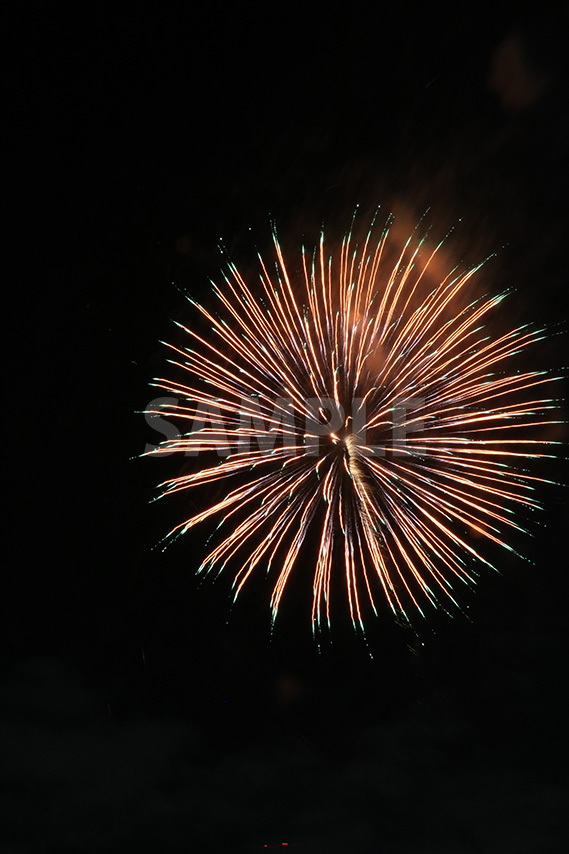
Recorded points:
(356, 409)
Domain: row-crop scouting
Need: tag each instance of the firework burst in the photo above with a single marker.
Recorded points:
(357, 401)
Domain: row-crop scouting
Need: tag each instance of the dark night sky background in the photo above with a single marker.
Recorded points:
(139, 712)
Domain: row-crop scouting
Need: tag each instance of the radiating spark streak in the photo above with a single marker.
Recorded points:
(375, 337)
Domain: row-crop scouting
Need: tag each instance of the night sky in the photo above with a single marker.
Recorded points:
(140, 711)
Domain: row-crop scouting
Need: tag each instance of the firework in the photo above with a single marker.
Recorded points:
(356, 408)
